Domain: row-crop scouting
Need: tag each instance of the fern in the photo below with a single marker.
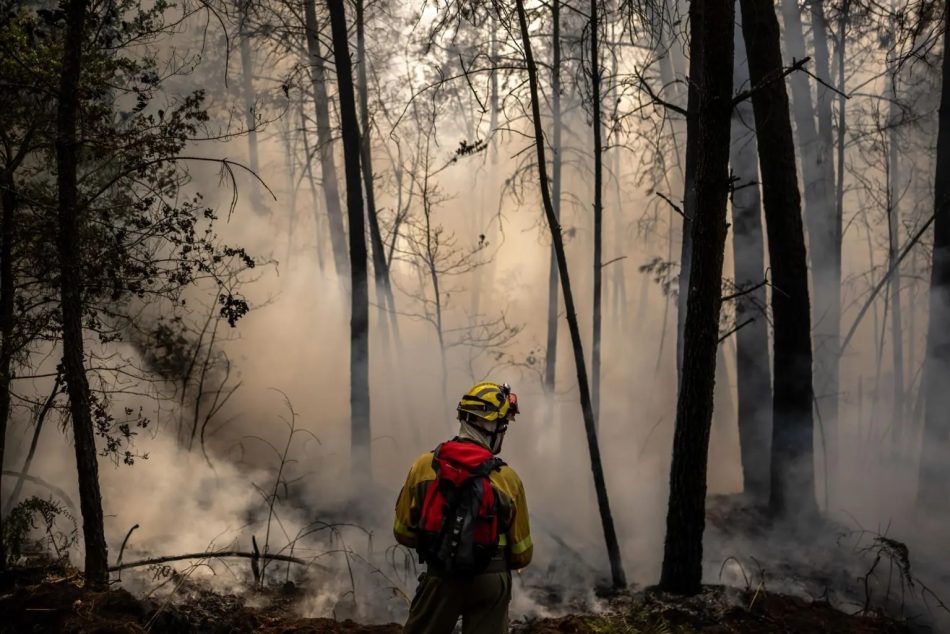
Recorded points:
(38, 514)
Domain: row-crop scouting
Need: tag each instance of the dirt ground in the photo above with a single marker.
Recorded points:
(55, 601)
(717, 610)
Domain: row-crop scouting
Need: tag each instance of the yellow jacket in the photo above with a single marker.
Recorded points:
(512, 506)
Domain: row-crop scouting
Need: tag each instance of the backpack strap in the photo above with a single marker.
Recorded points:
(492, 464)
(435, 459)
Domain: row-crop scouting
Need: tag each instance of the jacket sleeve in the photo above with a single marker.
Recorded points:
(520, 547)
(405, 528)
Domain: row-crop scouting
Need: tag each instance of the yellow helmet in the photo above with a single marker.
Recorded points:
(488, 402)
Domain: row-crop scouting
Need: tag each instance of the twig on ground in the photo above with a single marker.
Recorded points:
(221, 554)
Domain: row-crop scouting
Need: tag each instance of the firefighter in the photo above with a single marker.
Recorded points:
(464, 511)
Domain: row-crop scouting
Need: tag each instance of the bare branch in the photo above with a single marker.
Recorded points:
(767, 81)
(206, 555)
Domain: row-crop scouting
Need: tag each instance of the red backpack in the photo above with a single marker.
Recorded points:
(459, 524)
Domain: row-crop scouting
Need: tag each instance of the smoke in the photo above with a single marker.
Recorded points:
(290, 357)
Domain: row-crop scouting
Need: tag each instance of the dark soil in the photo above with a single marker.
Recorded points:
(718, 610)
(54, 600)
(50, 601)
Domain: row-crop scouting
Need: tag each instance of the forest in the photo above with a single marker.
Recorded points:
(252, 252)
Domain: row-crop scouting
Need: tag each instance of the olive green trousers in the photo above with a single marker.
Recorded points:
(482, 602)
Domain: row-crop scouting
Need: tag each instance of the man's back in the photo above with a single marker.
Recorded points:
(515, 539)
(470, 535)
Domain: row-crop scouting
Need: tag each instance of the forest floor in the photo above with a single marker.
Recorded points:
(54, 600)
(772, 580)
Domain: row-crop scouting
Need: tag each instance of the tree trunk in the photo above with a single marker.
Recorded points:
(317, 218)
(493, 87)
(840, 50)
(893, 242)
(325, 141)
(250, 107)
(828, 325)
(618, 277)
(550, 356)
(600, 485)
(823, 232)
(792, 488)
(290, 169)
(711, 51)
(667, 64)
(933, 493)
(35, 441)
(359, 300)
(689, 206)
(70, 261)
(384, 292)
(842, 127)
(598, 212)
(753, 384)
(8, 198)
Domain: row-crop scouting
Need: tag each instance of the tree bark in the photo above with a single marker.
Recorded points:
(598, 212)
(753, 384)
(359, 299)
(325, 141)
(792, 488)
(689, 201)
(933, 494)
(70, 260)
(711, 61)
(668, 67)
(600, 485)
(823, 230)
(550, 356)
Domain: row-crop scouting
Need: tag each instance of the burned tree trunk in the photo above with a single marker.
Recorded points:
(384, 292)
(711, 51)
(824, 252)
(359, 299)
(600, 485)
(689, 213)
(753, 384)
(792, 470)
(689, 205)
(331, 192)
(828, 325)
(892, 161)
(550, 355)
(933, 494)
(598, 212)
(70, 261)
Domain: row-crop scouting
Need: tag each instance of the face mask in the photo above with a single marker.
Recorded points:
(496, 445)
